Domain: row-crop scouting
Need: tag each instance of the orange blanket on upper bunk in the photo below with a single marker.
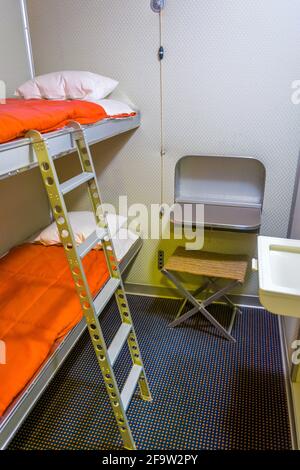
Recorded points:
(19, 116)
(38, 305)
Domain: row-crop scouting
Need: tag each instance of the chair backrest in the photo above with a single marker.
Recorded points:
(221, 181)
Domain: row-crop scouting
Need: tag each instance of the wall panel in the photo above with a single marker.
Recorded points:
(228, 71)
(24, 208)
(14, 67)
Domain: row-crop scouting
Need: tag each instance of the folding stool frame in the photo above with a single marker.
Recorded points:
(200, 306)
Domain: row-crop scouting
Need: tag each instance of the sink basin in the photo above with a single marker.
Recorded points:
(279, 275)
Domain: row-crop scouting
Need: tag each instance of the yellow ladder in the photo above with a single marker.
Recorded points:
(91, 307)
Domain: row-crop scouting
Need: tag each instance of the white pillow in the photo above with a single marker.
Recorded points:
(73, 85)
(83, 224)
(115, 108)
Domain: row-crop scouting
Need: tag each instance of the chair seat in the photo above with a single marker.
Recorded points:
(214, 265)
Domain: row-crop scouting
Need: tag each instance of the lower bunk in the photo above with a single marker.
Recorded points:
(42, 321)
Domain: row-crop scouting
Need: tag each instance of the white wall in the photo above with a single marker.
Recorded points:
(294, 228)
(228, 71)
(118, 39)
(14, 67)
(292, 325)
(228, 74)
(24, 208)
(23, 202)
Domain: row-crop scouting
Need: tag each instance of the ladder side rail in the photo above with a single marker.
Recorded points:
(60, 213)
(111, 259)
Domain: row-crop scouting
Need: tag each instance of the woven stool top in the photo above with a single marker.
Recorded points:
(208, 264)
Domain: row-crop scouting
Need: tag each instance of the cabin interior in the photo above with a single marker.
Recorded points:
(149, 225)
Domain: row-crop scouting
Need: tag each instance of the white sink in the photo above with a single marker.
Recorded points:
(279, 275)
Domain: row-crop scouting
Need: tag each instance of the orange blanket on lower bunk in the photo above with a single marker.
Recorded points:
(38, 305)
(19, 116)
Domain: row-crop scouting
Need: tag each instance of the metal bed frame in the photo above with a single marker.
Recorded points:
(23, 404)
(16, 157)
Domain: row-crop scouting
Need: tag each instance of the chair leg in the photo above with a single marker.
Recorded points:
(201, 306)
(216, 324)
(209, 317)
(184, 302)
(194, 294)
(235, 311)
(228, 301)
(184, 317)
(220, 293)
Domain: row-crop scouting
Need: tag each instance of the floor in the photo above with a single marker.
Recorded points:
(208, 393)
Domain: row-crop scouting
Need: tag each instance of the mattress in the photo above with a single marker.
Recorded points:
(18, 116)
(39, 306)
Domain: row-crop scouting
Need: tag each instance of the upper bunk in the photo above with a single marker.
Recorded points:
(17, 156)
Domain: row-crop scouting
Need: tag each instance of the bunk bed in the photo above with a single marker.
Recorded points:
(18, 156)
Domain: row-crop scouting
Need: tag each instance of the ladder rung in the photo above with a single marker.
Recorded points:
(105, 294)
(96, 237)
(130, 385)
(75, 182)
(118, 342)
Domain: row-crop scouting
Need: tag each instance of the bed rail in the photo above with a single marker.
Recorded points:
(18, 156)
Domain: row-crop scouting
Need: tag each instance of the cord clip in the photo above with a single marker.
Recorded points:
(161, 53)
